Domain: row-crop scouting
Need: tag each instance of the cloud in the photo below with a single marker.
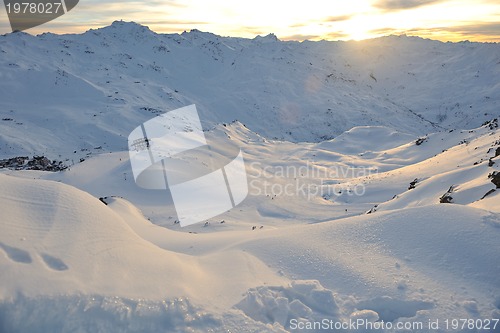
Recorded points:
(339, 18)
(171, 22)
(150, 3)
(489, 31)
(483, 29)
(298, 25)
(254, 30)
(387, 31)
(336, 35)
(300, 38)
(403, 4)
(478, 32)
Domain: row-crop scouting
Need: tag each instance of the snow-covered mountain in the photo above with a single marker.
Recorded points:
(373, 171)
(73, 92)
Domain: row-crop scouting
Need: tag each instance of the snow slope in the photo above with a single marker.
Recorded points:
(311, 257)
(404, 266)
(71, 241)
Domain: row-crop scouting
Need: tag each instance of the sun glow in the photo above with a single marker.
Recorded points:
(453, 20)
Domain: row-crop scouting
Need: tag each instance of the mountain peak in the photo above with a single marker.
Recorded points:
(196, 33)
(127, 27)
(122, 23)
(269, 38)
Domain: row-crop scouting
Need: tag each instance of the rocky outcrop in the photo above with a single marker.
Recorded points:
(35, 163)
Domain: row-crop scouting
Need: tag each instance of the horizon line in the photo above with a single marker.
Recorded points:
(261, 35)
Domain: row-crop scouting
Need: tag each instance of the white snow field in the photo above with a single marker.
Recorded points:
(372, 170)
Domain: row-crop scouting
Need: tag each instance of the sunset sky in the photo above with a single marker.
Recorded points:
(446, 20)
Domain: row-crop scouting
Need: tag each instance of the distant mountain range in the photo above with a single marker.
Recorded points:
(65, 93)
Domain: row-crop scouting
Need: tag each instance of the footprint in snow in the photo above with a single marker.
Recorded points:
(15, 254)
(53, 262)
(22, 256)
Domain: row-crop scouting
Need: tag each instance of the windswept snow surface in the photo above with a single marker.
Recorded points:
(350, 150)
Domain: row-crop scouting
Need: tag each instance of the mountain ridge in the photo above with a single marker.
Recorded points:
(105, 82)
